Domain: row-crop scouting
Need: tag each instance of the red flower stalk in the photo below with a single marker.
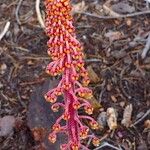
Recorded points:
(66, 53)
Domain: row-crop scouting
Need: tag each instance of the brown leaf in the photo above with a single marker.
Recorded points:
(96, 105)
(92, 75)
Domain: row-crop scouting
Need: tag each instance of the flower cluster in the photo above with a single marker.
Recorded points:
(66, 53)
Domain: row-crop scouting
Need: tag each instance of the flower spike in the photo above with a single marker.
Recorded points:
(67, 55)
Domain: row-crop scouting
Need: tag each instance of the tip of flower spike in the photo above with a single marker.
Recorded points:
(84, 73)
(67, 51)
(88, 109)
(96, 141)
(84, 132)
(55, 108)
(66, 116)
(94, 125)
(51, 99)
(86, 81)
(86, 95)
(56, 127)
(50, 72)
(66, 86)
(58, 91)
(68, 65)
(75, 77)
(80, 64)
(76, 105)
(52, 137)
(74, 146)
(63, 146)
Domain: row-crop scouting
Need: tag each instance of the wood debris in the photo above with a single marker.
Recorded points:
(126, 121)
(111, 118)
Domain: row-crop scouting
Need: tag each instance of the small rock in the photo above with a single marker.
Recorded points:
(123, 8)
(122, 104)
(142, 146)
(7, 124)
(102, 119)
(118, 54)
(147, 124)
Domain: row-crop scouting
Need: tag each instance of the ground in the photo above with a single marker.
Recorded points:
(114, 36)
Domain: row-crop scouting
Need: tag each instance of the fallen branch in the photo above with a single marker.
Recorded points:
(39, 15)
(6, 28)
(113, 17)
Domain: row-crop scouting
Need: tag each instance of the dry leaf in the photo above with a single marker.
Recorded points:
(126, 121)
(111, 118)
(7, 124)
(92, 75)
(95, 104)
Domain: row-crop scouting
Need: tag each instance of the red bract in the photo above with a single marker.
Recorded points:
(66, 53)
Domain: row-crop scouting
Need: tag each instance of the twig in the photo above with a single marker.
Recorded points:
(114, 17)
(35, 57)
(6, 28)
(121, 83)
(106, 144)
(20, 100)
(146, 48)
(93, 60)
(89, 141)
(144, 116)
(39, 16)
(17, 12)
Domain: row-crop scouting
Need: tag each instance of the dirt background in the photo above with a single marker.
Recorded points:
(114, 36)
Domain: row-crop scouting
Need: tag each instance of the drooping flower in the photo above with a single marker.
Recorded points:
(66, 53)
